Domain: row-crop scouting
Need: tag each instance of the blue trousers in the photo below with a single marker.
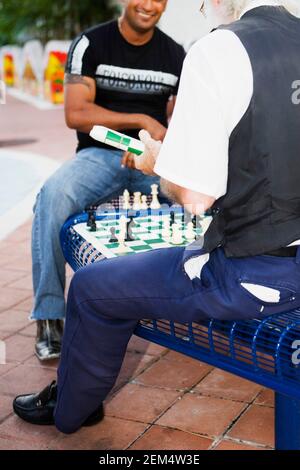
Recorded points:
(94, 174)
(107, 299)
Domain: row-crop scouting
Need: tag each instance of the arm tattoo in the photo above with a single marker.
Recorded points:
(73, 79)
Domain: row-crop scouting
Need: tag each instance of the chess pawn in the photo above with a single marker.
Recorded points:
(189, 233)
(122, 248)
(177, 238)
(137, 201)
(155, 204)
(144, 204)
(166, 231)
(126, 200)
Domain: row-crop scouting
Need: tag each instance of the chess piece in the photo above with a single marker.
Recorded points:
(122, 248)
(126, 200)
(155, 204)
(144, 204)
(137, 201)
(189, 233)
(166, 231)
(177, 238)
(113, 238)
(129, 232)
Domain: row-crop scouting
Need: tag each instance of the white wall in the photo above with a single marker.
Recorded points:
(184, 22)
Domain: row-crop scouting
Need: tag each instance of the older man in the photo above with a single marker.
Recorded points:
(233, 145)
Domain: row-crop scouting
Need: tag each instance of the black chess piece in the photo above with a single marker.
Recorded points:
(91, 223)
(172, 218)
(129, 233)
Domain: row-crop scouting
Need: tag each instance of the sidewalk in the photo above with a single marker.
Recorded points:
(162, 400)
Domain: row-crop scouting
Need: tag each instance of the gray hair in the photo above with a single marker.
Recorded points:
(234, 8)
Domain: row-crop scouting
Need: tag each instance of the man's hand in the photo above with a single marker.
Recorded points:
(128, 160)
(156, 130)
(146, 162)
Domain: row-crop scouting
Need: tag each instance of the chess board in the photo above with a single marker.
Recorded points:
(146, 231)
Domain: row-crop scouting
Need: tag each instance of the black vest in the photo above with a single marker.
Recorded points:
(261, 209)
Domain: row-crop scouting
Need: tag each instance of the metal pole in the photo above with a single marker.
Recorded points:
(287, 423)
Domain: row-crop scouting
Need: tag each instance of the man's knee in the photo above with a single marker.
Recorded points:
(57, 196)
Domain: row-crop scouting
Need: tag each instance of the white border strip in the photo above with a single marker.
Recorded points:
(20, 213)
(35, 101)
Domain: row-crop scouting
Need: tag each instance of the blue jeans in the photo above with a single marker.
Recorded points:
(95, 174)
(107, 300)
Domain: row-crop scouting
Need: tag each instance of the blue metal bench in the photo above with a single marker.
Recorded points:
(260, 351)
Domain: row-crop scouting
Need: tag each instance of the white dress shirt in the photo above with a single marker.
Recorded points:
(215, 91)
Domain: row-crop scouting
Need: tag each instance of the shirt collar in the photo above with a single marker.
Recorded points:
(259, 3)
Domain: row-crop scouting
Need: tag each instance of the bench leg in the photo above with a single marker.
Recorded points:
(287, 423)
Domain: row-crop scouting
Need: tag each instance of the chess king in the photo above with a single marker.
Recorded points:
(122, 75)
(233, 145)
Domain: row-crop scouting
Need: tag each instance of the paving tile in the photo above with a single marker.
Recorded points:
(25, 305)
(18, 348)
(224, 385)
(181, 373)
(35, 362)
(110, 434)
(24, 283)
(232, 445)
(26, 434)
(132, 366)
(30, 329)
(18, 264)
(7, 276)
(140, 345)
(13, 444)
(255, 425)
(201, 415)
(13, 320)
(160, 438)
(266, 397)
(140, 403)
(24, 379)
(4, 368)
(10, 298)
(5, 408)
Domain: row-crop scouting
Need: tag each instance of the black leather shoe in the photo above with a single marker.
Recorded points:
(49, 339)
(39, 408)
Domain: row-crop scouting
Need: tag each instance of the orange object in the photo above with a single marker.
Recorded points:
(54, 77)
(9, 70)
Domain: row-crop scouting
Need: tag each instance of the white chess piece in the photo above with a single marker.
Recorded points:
(189, 232)
(155, 204)
(123, 224)
(166, 231)
(177, 238)
(126, 203)
(144, 204)
(122, 248)
(137, 201)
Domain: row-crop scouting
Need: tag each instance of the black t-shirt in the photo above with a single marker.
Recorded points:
(130, 79)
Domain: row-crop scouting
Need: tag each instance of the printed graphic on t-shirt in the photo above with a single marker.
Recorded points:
(109, 77)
